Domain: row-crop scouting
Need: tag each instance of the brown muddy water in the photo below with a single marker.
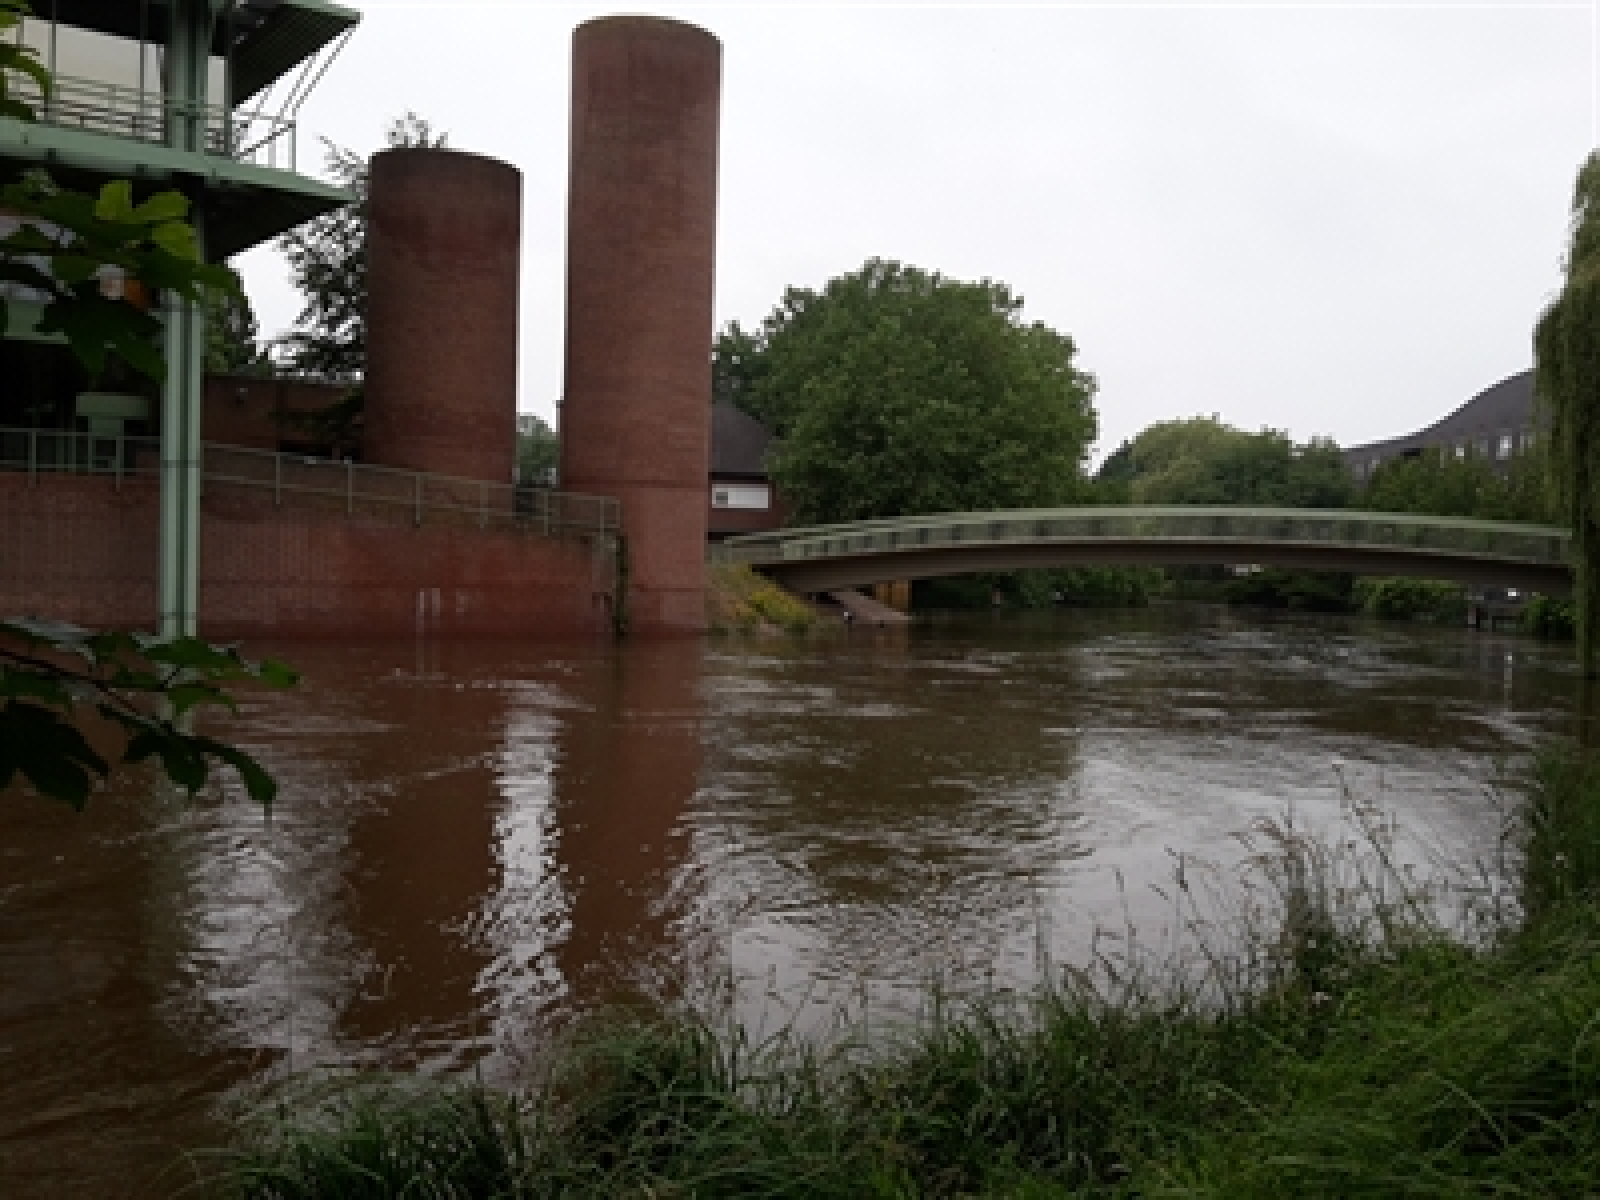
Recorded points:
(477, 841)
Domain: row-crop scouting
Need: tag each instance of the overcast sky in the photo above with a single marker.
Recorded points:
(1335, 219)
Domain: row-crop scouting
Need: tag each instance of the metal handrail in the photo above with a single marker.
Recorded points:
(390, 492)
(143, 115)
(1354, 529)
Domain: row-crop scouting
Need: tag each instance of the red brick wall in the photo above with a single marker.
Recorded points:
(247, 410)
(76, 549)
(443, 256)
(641, 242)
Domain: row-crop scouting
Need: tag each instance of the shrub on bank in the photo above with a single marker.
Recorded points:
(1549, 618)
(1346, 1044)
(1401, 599)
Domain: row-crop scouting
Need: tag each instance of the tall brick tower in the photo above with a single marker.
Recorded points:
(641, 243)
(443, 256)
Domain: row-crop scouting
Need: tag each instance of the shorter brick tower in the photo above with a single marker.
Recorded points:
(641, 242)
(444, 234)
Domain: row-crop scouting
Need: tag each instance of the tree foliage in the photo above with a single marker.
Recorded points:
(896, 390)
(1201, 460)
(233, 335)
(538, 449)
(1444, 485)
(144, 687)
(1566, 345)
(327, 259)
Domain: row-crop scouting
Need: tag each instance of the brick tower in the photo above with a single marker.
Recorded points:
(641, 238)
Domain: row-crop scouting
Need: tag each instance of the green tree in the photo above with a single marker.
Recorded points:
(1203, 461)
(538, 449)
(737, 367)
(1443, 485)
(233, 335)
(897, 391)
(328, 263)
(1566, 346)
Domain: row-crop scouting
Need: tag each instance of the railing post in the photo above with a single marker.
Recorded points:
(33, 457)
(349, 487)
(416, 481)
(483, 506)
(277, 481)
(118, 468)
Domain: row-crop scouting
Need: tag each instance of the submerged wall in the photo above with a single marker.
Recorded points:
(78, 549)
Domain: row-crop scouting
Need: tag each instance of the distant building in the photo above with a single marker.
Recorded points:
(1494, 425)
(742, 498)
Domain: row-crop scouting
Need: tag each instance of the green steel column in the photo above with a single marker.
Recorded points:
(184, 347)
(184, 339)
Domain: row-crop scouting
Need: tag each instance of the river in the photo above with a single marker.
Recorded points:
(476, 841)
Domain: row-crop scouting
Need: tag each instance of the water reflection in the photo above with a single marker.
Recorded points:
(476, 841)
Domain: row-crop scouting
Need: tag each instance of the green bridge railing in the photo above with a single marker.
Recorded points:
(1543, 545)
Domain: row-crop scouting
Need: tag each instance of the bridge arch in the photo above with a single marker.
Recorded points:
(831, 557)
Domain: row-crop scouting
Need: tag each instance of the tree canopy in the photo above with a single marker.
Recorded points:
(896, 390)
(1566, 384)
(1201, 460)
(1445, 485)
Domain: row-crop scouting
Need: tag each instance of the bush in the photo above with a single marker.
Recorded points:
(1402, 599)
(739, 599)
(1548, 618)
(1302, 591)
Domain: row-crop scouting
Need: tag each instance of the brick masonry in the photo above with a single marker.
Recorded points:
(78, 549)
(641, 242)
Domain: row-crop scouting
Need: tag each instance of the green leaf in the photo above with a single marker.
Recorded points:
(116, 202)
(47, 751)
(177, 239)
(277, 674)
(73, 268)
(180, 757)
(186, 696)
(161, 208)
(261, 786)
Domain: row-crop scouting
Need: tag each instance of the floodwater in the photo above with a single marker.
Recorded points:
(476, 841)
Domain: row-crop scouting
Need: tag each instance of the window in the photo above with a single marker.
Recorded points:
(1507, 444)
(1461, 449)
(741, 495)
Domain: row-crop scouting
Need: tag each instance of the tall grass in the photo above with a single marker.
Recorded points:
(1337, 1035)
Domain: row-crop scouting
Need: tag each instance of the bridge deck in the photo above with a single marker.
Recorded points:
(827, 557)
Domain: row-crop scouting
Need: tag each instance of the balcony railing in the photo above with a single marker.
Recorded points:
(145, 116)
(384, 493)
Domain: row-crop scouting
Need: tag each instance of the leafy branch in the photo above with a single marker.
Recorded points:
(146, 687)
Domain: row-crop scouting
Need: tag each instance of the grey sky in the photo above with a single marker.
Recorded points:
(1335, 219)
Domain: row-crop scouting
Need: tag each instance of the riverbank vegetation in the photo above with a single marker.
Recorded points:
(1341, 1036)
(740, 601)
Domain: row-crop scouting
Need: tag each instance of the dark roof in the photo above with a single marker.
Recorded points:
(739, 443)
(1507, 407)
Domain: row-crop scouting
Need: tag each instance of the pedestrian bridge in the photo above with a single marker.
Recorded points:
(825, 558)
